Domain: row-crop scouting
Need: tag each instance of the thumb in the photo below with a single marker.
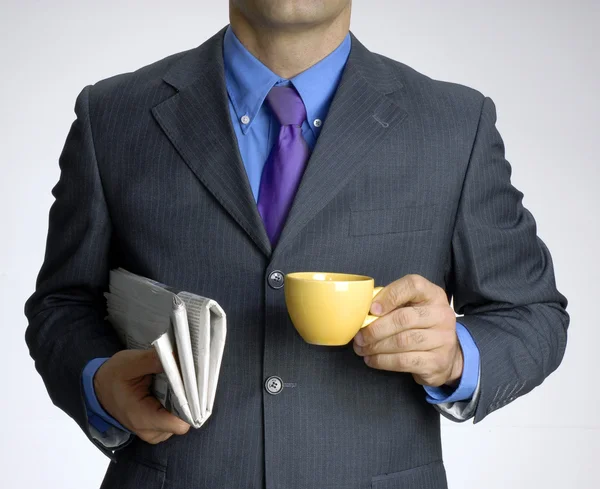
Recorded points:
(142, 362)
(410, 289)
(155, 417)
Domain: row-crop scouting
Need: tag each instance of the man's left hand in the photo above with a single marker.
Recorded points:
(415, 333)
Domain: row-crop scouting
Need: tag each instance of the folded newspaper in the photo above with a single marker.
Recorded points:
(187, 331)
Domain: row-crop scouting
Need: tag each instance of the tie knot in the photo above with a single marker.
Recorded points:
(287, 105)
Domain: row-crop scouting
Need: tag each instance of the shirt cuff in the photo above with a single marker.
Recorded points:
(97, 416)
(470, 376)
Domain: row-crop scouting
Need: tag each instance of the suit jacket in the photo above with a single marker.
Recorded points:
(408, 176)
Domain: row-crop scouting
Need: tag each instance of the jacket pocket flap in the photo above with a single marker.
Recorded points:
(430, 476)
(387, 221)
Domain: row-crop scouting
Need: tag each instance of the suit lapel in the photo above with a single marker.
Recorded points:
(196, 120)
(360, 117)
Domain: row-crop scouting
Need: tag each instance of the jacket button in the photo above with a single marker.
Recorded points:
(274, 385)
(275, 280)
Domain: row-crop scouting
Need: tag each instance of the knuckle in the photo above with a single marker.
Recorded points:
(403, 362)
(393, 295)
(373, 332)
(417, 282)
(400, 318)
(417, 361)
(400, 341)
(421, 312)
(417, 337)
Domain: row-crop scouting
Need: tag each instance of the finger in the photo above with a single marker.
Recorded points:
(411, 340)
(154, 437)
(142, 362)
(149, 414)
(166, 436)
(419, 363)
(162, 420)
(398, 320)
(410, 289)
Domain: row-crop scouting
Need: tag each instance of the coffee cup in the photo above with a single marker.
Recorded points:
(329, 308)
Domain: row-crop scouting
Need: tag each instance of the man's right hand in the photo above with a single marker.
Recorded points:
(122, 386)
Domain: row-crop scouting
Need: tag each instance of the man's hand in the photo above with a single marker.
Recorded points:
(416, 333)
(122, 387)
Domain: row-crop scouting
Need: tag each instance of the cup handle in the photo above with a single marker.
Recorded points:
(369, 319)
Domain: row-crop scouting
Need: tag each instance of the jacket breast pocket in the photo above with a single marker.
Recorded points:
(430, 476)
(392, 220)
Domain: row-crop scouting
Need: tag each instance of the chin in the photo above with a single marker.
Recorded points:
(291, 13)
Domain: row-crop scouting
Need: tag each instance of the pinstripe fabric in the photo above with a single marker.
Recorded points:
(408, 176)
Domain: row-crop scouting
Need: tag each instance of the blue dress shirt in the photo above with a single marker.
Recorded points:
(248, 82)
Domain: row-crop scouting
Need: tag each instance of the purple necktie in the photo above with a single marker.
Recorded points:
(285, 165)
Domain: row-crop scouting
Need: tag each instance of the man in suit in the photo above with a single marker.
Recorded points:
(282, 144)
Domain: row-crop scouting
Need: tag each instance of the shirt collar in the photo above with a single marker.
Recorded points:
(248, 81)
(318, 84)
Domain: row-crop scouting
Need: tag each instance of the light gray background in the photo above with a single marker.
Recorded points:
(538, 60)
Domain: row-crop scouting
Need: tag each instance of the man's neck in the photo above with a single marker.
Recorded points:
(290, 51)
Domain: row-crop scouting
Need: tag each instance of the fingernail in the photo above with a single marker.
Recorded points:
(376, 308)
(367, 360)
(359, 338)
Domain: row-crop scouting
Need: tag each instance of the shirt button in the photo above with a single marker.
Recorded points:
(275, 280)
(317, 122)
(274, 385)
(245, 119)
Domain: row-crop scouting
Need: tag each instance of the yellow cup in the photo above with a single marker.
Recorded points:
(329, 308)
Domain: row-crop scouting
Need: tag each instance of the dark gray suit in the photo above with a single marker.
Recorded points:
(408, 176)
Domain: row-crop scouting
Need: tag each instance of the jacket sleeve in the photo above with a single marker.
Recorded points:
(66, 312)
(503, 279)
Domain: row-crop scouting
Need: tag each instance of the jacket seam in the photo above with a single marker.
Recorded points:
(462, 189)
(93, 143)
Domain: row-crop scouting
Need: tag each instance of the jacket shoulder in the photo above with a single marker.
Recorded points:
(439, 93)
(132, 92)
(146, 77)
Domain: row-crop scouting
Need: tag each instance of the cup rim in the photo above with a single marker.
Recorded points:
(306, 277)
